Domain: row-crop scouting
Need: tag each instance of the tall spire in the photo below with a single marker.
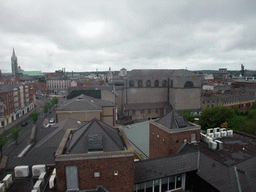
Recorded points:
(13, 52)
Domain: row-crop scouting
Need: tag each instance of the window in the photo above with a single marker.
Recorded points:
(164, 83)
(96, 174)
(141, 111)
(189, 84)
(148, 83)
(156, 110)
(140, 84)
(133, 112)
(156, 83)
(115, 172)
(149, 111)
(131, 83)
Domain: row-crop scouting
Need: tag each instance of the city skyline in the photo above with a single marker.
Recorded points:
(85, 36)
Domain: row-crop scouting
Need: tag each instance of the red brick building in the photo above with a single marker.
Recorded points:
(169, 133)
(96, 155)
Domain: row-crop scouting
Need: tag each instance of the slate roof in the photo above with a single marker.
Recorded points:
(48, 141)
(232, 168)
(146, 170)
(110, 88)
(83, 102)
(169, 120)
(147, 105)
(238, 98)
(112, 141)
(159, 73)
(7, 88)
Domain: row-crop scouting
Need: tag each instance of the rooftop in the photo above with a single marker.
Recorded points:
(236, 149)
(83, 102)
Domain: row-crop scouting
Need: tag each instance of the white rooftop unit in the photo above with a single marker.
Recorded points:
(7, 180)
(217, 129)
(37, 170)
(211, 135)
(38, 186)
(219, 144)
(21, 171)
(54, 171)
(52, 181)
(203, 137)
(223, 133)
(2, 188)
(217, 135)
(34, 190)
(230, 133)
(42, 177)
(212, 145)
(223, 129)
(208, 139)
(209, 131)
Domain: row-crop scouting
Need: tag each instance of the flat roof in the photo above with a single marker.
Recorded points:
(236, 149)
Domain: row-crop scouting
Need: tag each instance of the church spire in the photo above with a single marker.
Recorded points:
(13, 53)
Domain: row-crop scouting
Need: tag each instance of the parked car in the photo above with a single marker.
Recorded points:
(23, 124)
(52, 120)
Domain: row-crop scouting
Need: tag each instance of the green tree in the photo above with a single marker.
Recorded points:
(54, 101)
(3, 141)
(189, 115)
(15, 134)
(34, 116)
(252, 114)
(236, 122)
(253, 106)
(214, 116)
(46, 107)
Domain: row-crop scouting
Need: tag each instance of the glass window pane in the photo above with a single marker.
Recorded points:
(164, 184)
(171, 182)
(149, 186)
(156, 185)
(178, 181)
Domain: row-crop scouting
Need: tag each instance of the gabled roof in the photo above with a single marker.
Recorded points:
(111, 139)
(84, 102)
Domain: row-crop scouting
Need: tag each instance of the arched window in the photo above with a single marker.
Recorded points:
(156, 83)
(148, 83)
(131, 83)
(140, 84)
(164, 83)
(189, 84)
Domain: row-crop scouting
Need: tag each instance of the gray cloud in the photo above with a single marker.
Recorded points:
(85, 35)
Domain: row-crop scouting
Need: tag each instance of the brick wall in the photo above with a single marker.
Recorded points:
(124, 181)
(162, 143)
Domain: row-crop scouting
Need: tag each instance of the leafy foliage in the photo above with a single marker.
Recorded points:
(253, 106)
(54, 101)
(236, 122)
(15, 134)
(34, 116)
(214, 116)
(189, 115)
(46, 107)
(3, 141)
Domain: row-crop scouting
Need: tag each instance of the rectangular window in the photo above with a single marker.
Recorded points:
(149, 111)
(141, 111)
(156, 110)
(193, 138)
(72, 177)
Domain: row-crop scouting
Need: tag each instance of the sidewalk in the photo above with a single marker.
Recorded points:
(17, 121)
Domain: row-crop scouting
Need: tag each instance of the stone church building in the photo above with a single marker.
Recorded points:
(149, 94)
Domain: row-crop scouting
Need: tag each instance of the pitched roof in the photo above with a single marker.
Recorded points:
(84, 102)
(146, 170)
(110, 137)
(32, 73)
(173, 120)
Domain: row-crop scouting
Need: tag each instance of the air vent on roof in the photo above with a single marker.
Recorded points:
(209, 131)
(217, 135)
(80, 99)
(212, 145)
(79, 122)
(230, 133)
(223, 133)
(92, 101)
(180, 122)
(38, 185)
(37, 170)
(2, 188)
(217, 129)
(52, 181)
(219, 144)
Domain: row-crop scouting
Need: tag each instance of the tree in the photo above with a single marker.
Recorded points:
(15, 134)
(34, 116)
(46, 107)
(236, 122)
(3, 141)
(189, 115)
(54, 101)
(253, 106)
(214, 116)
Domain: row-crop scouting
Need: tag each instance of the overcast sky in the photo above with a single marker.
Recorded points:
(83, 35)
